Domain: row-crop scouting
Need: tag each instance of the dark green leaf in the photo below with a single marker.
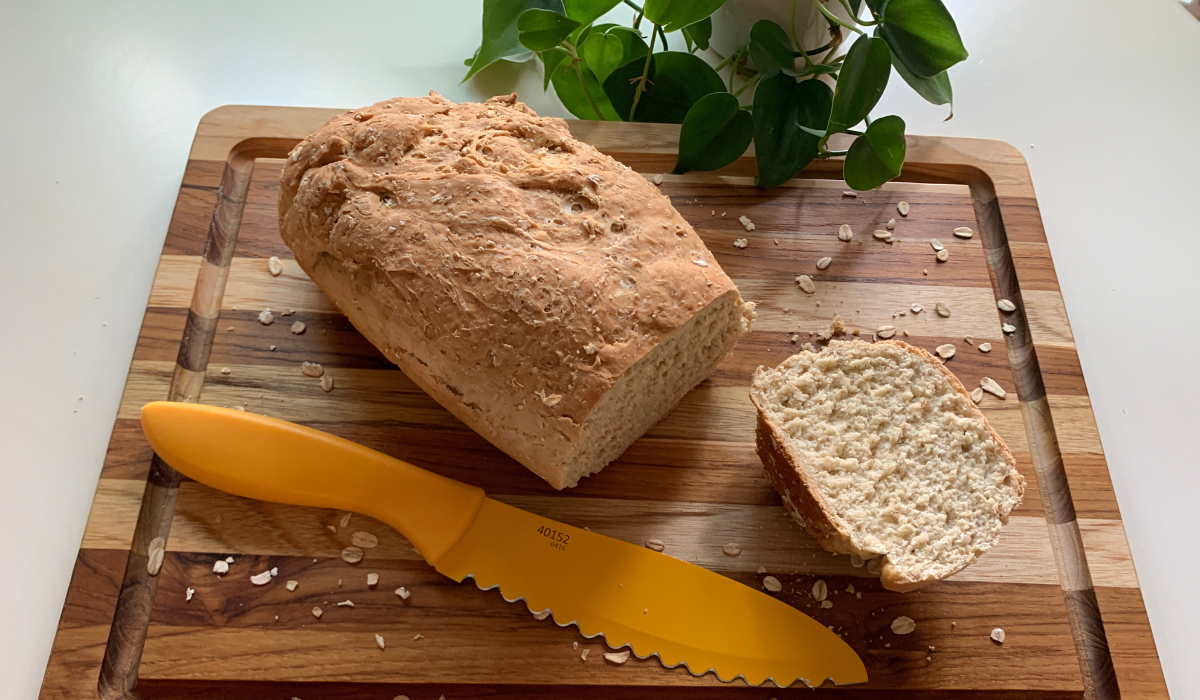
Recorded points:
(500, 37)
(676, 81)
(864, 75)
(542, 30)
(715, 133)
(876, 156)
(923, 35)
(820, 69)
(551, 59)
(876, 6)
(699, 32)
(935, 90)
(471, 60)
(635, 46)
(781, 107)
(677, 14)
(603, 53)
(856, 6)
(770, 49)
(588, 11)
(566, 86)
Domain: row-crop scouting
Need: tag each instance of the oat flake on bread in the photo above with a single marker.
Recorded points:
(878, 450)
(482, 249)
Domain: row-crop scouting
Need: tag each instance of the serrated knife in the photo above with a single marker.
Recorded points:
(633, 596)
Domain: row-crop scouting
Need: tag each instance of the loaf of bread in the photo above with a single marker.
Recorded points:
(878, 451)
(545, 294)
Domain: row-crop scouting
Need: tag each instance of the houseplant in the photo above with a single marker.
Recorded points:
(801, 96)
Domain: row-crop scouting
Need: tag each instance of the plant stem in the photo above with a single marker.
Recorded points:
(834, 18)
(748, 83)
(856, 18)
(724, 62)
(635, 6)
(575, 61)
(637, 94)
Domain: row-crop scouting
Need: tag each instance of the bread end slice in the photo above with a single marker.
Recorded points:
(878, 451)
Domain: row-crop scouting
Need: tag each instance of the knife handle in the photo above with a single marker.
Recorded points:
(272, 460)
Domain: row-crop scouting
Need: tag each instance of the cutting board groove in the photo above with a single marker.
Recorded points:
(1060, 582)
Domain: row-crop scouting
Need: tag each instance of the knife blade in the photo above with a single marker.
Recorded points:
(634, 597)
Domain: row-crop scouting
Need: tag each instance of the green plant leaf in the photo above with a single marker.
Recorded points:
(676, 80)
(770, 49)
(877, 156)
(876, 6)
(715, 133)
(500, 36)
(542, 30)
(781, 107)
(566, 86)
(699, 32)
(550, 60)
(587, 11)
(863, 77)
(673, 15)
(635, 45)
(935, 90)
(923, 35)
(603, 53)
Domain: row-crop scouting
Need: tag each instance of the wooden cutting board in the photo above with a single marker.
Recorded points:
(1075, 626)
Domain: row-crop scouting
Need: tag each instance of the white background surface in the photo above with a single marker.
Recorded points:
(100, 101)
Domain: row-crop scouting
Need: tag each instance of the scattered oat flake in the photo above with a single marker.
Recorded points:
(584, 654)
(977, 394)
(265, 317)
(942, 310)
(968, 340)
(741, 243)
(945, 351)
(856, 561)
(317, 612)
(916, 308)
(274, 265)
(903, 208)
(1008, 328)
(372, 579)
(403, 593)
(873, 566)
(274, 571)
(985, 347)
(805, 282)
(1006, 306)
(849, 193)
(658, 179)
(190, 592)
(820, 590)
(221, 567)
(298, 327)
(656, 545)
(826, 604)
(885, 332)
(617, 657)
(574, 646)
(311, 369)
(326, 383)
(291, 585)
(542, 615)
(364, 539)
(943, 255)
(420, 636)
(998, 635)
(761, 569)
(352, 555)
(772, 584)
(154, 555)
(701, 263)
(963, 232)
(845, 233)
(903, 625)
(272, 347)
(226, 370)
(990, 386)
(345, 521)
(924, 272)
(824, 262)
(346, 604)
(890, 225)
(882, 234)
(261, 579)
(379, 641)
(733, 549)
(937, 245)
(850, 588)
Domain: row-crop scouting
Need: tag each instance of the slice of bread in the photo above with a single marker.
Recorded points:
(878, 451)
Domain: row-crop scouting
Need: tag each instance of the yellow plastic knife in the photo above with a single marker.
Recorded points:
(635, 597)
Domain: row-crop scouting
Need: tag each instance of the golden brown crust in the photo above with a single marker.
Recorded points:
(511, 271)
(809, 507)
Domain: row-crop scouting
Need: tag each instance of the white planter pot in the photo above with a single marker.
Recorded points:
(732, 22)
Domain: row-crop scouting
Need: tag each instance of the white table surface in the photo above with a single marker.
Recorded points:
(100, 101)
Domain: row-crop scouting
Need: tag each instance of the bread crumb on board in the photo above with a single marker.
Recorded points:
(297, 327)
(265, 317)
(189, 593)
(291, 585)
(379, 641)
(403, 593)
(745, 222)
(221, 567)
(311, 369)
(741, 243)
(542, 615)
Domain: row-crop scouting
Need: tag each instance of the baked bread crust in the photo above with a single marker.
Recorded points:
(809, 506)
(512, 272)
